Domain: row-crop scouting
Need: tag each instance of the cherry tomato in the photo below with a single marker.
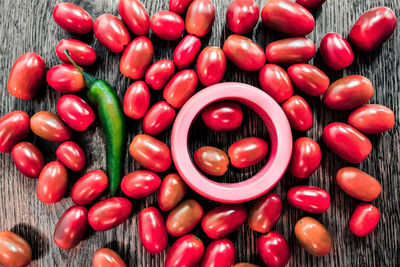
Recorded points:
(159, 73)
(245, 264)
(83, 54)
(136, 100)
(290, 50)
(137, 57)
(244, 53)
(180, 88)
(372, 119)
(109, 213)
(49, 126)
(186, 51)
(105, 257)
(172, 191)
(71, 227)
(158, 118)
(273, 249)
(247, 152)
(364, 219)
(28, 159)
(298, 113)
(72, 18)
(14, 127)
(276, 82)
(219, 253)
(211, 160)
(179, 6)
(223, 220)
(373, 28)
(309, 198)
(140, 183)
(151, 153)
(75, 112)
(265, 212)
(242, 16)
(313, 236)
(186, 251)
(211, 65)
(311, 5)
(152, 230)
(182, 219)
(200, 17)
(167, 25)
(306, 157)
(111, 32)
(223, 116)
(135, 16)
(26, 76)
(71, 155)
(336, 52)
(287, 17)
(65, 78)
(309, 79)
(14, 250)
(346, 142)
(358, 184)
(89, 187)
(52, 183)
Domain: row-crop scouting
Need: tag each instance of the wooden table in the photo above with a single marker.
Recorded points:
(27, 25)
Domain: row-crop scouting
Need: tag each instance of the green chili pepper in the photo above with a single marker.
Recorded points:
(111, 115)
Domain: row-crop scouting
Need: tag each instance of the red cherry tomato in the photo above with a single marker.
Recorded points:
(223, 116)
(71, 155)
(152, 230)
(186, 251)
(211, 160)
(186, 51)
(336, 52)
(105, 257)
(14, 127)
(179, 6)
(135, 16)
(89, 187)
(83, 54)
(200, 17)
(211, 65)
(65, 78)
(159, 73)
(309, 79)
(111, 32)
(28, 159)
(72, 18)
(247, 152)
(309, 198)
(290, 50)
(242, 16)
(14, 250)
(49, 126)
(372, 119)
(306, 157)
(298, 113)
(75, 112)
(311, 5)
(180, 88)
(273, 249)
(182, 219)
(219, 253)
(26, 76)
(167, 25)
(276, 82)
(137, 57)
(140, 184)
(313, 236)
(172, 191)
(223, 220)
(151, 153)
(52, 183)
(364, 219)
(136, 100)
(265, 212)
(158, 118)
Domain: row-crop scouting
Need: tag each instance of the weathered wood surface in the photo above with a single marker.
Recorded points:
(27, 25)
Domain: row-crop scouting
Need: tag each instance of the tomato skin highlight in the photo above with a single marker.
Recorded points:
(219, 253)
(136, 58)
(14, 127)
(152, 230)
(186, 51)
(242, 16)
(364, 220)
(105, 257)
(140, 183)
(264, 213)
(247, 152)
(186, 251)
(308, 79)
(276, 82)
(372, 119)
(14, 250)
(135, 16)
(71, 155)
(273, 249)
(306, 157)
(89, 187)
(290, 51)
(28, 159)
(309, 198)
(52, 183)
(336, 52)
(111, 32)
(200, 17)
(211, 160)
(72, 18)
(172, 191)
(136, 100)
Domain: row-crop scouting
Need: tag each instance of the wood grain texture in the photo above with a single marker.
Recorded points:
(27, 25)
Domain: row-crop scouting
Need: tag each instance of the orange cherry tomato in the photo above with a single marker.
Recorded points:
(184, 217)
(372, 119)
(200, 17)
(65, 78)
(137, 57)
(14, 250)
(105, 257)
(50, 127)
(172, 191)
(211, 160)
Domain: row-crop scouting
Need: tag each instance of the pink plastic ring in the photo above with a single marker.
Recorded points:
(278, 128)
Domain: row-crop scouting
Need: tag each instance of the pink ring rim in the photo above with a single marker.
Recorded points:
(280, 148)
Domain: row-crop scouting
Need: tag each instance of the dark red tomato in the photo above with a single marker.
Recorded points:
(306, 157)
(111, 32)
(223, 220)
(109, 213)
(309, 198)
(211, 160)
(72, 18)
(186, 51)
(158, 118)
(135, 16)
(152, 230)
(65, 78)
(137, 57)
(273, 249)
(180, 88)
(75, 112)
(287, 17)
(223, 116)
(28, 159)
(247, 152)
(244, 53)
(26, 76)
(336, 52)
(14, 250)
(276, 82)
(186, 251)
(200, 17)
(167, 25)
(49, 126)
(182, 219)
(364, 219)
(245, 264)
(71, 227)
(71, 155)
(172, 191)
(346, 142)
(140, 184)
(105, 257)
(89, 187)
(219, 253)
(151, 153)
(290, 50)
(298, 113)
(179, 6)
(83, 54)
(372, 119)
(14, 127)
(311, 4)
(52, 183)
(373, 28)
(211, 65)
(265, 212)
(242, 16)
(136, 100)
(358, 184)
(159, 73)
(309, 79)
(313, 236)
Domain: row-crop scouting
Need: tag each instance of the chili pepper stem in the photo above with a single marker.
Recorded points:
(89, 79)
